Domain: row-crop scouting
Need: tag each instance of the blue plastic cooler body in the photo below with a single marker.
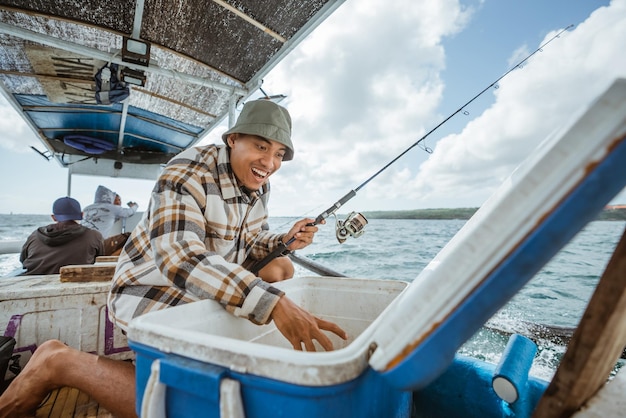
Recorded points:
(193, 390)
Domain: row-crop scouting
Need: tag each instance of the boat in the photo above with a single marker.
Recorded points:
(401, 359)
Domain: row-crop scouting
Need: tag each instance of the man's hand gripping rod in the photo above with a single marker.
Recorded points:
(283, 247)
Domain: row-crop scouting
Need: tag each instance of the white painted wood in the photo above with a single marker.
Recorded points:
(608, 402)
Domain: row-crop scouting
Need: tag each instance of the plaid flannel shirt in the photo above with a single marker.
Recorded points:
(198, 231)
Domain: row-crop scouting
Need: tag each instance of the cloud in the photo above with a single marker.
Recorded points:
(16, 135)
(530, 103)
(360, 97)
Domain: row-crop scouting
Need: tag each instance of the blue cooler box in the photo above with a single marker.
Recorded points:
(198, 360)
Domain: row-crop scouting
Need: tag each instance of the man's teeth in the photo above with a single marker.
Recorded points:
(260, 173)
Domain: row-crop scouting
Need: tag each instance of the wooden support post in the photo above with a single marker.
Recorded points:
(595, 346)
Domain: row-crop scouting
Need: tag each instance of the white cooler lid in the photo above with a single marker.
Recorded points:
(553, 194)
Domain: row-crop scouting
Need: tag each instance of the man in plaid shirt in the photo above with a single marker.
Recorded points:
(207, 224)
(205, 227)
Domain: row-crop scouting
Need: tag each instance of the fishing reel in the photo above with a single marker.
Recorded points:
(353, 226)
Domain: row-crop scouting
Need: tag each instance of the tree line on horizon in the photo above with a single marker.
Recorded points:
(466, 213)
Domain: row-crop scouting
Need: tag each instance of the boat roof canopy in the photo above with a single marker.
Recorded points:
(188, 65)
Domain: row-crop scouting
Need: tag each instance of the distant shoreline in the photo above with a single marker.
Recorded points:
(441, 213)
(466, 213)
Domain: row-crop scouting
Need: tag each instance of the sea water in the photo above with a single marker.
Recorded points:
(399, 249)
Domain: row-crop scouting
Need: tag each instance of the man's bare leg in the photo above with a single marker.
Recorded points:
(53, 365)
(277, 270)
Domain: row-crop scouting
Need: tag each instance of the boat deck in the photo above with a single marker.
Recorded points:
(69, 402)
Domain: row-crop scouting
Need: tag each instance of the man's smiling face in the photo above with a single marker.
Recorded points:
(254, 159)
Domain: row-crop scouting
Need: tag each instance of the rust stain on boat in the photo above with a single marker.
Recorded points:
(410, 348)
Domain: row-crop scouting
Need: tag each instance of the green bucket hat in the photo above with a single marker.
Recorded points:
(266, 119)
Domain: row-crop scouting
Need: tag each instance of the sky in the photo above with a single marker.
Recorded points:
(375, 77)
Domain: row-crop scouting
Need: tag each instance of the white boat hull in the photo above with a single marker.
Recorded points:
(34, 309)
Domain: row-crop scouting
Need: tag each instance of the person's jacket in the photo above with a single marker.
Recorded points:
(60, 244)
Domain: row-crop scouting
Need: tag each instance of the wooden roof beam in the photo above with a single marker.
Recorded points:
(139, 5)
(48, 77)
(250, 20)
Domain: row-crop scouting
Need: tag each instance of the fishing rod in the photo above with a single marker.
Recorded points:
(355, 222)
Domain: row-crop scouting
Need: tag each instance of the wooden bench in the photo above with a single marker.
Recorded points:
(69, 402)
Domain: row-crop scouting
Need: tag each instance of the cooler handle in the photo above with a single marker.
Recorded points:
(153, 403)
(231, 404)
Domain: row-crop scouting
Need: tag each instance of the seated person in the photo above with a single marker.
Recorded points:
(63, 243)
(102, 214)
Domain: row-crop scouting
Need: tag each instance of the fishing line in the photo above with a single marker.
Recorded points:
(355, 222)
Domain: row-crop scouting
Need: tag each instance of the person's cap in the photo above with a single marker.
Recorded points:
(266, 119)
(67, 209)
